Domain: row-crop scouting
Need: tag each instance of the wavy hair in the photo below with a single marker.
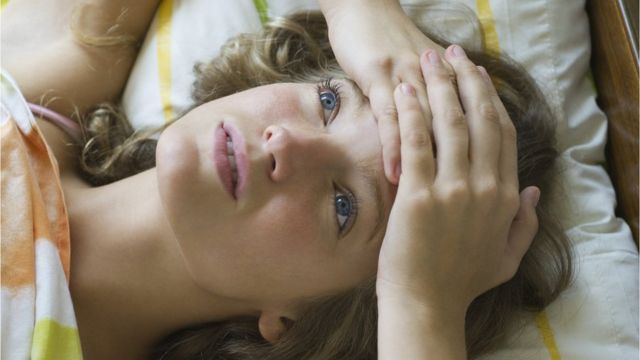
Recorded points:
(344, 326)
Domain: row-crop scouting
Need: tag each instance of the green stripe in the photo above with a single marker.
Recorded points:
(263, 10)
(52, 340)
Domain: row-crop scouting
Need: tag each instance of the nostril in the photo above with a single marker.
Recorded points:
(273, 163)
(267, 134)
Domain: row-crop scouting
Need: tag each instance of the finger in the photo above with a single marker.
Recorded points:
(417, 81)
(524, 228)
(482, 117)
(508, 163)
(410, 72)
(449, 124)
(384, 110)
(417, 154)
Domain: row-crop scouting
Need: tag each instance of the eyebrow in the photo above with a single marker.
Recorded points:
(372, 184)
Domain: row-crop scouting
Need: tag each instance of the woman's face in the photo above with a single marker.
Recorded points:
(303, 215)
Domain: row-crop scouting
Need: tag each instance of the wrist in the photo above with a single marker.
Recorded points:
(332, 8)
(430, 311)
(410, 329)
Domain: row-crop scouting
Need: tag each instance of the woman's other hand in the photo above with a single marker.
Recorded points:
(378, 46)
(458, 226)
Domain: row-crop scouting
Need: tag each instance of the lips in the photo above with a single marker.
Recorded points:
(230, 158)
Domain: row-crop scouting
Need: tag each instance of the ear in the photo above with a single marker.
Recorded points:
(272, 326)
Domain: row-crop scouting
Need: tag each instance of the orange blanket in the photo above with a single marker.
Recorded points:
(38, 320)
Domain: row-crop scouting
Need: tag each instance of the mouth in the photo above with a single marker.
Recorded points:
(230, 158)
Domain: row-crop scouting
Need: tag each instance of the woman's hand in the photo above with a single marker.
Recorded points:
(378, 46)
(458, 226)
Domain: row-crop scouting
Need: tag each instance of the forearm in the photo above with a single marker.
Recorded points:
(43, 50)
(410, 330)
(330, 8)
(384, 13)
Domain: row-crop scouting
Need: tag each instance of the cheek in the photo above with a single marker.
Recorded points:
(287, 225)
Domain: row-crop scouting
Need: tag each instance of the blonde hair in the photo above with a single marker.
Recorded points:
(344, 326)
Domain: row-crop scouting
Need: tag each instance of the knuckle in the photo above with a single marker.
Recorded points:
(454, 117)
(388, 112)
(410, 105)
(420, 200)
(440, 74)
(465, 68)
(487, 190)
(489, 113)
(455, 192)
(422, 197)
(418, 139)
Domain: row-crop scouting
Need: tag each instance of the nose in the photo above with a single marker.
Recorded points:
(293, 152)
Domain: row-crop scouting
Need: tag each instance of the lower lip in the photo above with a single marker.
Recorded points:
(240, 153)
(222, 161)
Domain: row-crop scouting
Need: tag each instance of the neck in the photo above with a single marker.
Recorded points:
(129, 284)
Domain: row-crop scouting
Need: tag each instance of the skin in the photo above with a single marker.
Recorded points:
(202, 255)
(378, 60)
(280, 238)
(423, 291)
(135, 282)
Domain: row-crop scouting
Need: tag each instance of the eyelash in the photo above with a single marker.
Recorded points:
(353, 211)
(330, 85)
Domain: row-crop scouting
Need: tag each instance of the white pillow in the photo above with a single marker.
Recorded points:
(597, 318)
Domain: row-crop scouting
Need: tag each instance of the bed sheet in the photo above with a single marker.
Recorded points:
(597, 318)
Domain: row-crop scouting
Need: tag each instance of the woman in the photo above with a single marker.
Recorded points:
(292, 236)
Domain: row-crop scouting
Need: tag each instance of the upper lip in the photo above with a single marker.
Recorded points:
(240, 154)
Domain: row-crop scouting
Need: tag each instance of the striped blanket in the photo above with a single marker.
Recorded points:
(38, 320)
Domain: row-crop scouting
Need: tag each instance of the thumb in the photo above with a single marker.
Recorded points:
(524, 228)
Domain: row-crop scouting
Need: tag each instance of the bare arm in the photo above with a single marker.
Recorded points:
(409, 329)
(50, 65)
(41, 51)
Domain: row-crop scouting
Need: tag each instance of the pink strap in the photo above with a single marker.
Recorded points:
(67, 125)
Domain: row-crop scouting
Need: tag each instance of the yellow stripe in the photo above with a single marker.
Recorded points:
(3, 3)
(163, 39)
(52, 340)
(490, 35)
(542, 323)
(263, 10)
(491, 42)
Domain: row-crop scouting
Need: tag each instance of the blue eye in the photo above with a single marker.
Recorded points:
(329, 98)
(346, 209)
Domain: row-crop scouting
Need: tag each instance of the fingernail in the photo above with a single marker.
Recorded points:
(433, 57)
(407, 89)
(457, 51)
(484, 74)
(536, 198)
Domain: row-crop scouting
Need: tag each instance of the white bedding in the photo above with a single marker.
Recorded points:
(597, 318)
